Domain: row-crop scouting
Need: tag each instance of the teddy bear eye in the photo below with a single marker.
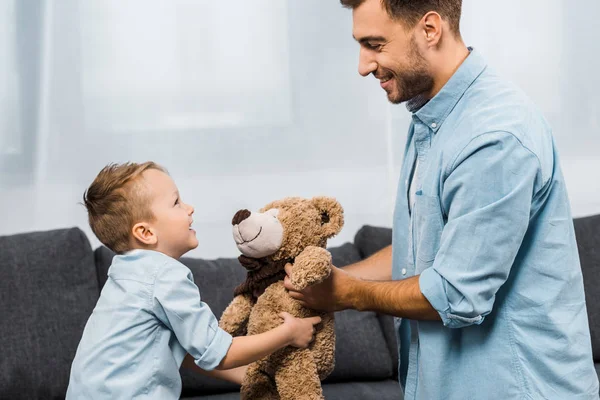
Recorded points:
(324, 217)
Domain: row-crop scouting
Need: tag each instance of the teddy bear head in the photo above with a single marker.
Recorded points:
(283, 228)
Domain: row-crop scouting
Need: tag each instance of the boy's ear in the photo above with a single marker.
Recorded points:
(143, 233)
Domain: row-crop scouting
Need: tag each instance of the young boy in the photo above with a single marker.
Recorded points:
(149, 316)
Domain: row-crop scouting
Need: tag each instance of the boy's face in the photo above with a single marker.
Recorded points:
(172, 225)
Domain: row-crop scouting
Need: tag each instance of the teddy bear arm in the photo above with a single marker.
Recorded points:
(312, 266)
(235, 317)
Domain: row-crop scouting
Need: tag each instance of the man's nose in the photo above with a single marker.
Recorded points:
(240, 216)
(366, 64)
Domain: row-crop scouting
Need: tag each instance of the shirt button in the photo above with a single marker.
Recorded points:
(434, 125)
(403, 271)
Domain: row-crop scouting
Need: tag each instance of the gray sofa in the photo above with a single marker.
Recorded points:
(50, 281)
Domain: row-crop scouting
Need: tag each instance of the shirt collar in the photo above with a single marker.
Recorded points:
(120, 261)
(433, 112)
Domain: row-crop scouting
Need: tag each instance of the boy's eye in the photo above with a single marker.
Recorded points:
(177, 201)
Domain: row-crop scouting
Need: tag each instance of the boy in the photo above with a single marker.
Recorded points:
(149, 315)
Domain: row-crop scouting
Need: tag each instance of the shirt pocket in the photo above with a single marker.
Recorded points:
(428, 227)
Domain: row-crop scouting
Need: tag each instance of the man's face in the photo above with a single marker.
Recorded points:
(390, 52)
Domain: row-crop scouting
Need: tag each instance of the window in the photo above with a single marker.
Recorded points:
(169, 65)
(10, 133)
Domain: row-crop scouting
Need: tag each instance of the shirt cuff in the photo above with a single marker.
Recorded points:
(216, 351)
(432, 287)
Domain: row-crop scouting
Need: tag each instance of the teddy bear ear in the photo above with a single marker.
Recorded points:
(332, 215)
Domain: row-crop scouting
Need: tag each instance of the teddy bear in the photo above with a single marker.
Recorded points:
(293, 230)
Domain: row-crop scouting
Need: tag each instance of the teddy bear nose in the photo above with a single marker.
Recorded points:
(240, 216)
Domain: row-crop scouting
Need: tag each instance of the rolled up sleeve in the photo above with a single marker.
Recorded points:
(487, 196)
(178, 305)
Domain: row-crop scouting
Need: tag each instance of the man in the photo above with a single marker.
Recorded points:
(483, 273)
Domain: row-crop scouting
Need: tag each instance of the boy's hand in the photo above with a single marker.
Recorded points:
(301, 330)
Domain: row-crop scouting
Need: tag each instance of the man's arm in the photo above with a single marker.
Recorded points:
(487, 195)
(235, 375)
(377, 267)
(397, 298)
(343, 291)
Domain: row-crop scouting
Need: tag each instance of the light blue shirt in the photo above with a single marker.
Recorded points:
(491, 236)
(148, 317)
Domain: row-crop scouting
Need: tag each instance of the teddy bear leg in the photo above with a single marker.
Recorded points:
(256, 385)
(297, 377)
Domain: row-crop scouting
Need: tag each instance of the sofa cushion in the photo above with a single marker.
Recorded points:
(361, 351)
(373, 390)
(371, 239)
(103, 258)
(587, 231)
(48, 290)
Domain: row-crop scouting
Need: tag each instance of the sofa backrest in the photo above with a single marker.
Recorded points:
(587, 232)
(48, 289)
(369, 240)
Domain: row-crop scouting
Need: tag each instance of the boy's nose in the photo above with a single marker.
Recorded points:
(240, 216)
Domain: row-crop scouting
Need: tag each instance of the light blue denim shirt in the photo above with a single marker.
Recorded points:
(491, 235)
(148, 317)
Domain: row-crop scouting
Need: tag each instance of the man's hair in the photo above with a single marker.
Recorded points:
(411, 11)
(116, 201)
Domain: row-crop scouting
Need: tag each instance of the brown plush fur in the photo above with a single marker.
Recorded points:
(289, 373)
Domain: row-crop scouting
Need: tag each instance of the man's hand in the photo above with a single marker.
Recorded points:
(330, 295)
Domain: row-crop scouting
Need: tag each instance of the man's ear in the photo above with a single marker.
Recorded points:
(144, 233)
(432, 28)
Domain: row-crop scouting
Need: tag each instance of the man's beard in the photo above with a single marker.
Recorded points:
(414, 79)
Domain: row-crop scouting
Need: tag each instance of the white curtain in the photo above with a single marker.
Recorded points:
(248, 101)
(10, 142)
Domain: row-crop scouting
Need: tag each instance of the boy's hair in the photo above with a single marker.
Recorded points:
(411, 11)
(116, 201)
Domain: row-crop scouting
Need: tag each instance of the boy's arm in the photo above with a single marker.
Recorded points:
(246, 349)
(235, 375)
(176, 302)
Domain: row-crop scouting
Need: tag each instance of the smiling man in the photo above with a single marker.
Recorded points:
(483, 273)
